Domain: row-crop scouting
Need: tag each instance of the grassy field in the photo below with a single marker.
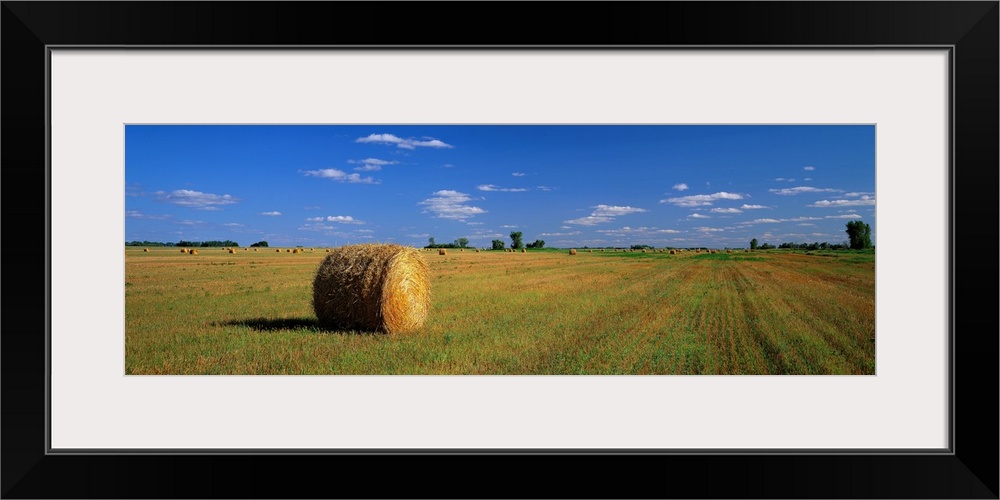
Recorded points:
(536, 313)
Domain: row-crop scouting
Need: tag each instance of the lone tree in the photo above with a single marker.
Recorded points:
(515, 240)
(859, 234)
(430, 241)
(461, 242)
(753, 244)
(498, 244)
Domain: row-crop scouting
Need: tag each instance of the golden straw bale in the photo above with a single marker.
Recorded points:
(442, 251)
(572, 251)
(373, 287)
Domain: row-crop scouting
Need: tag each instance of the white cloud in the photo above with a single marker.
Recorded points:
(604, 213)
(493, 187)
(680, 187)
(782, 179)
(809, 168)
(233, 224)
(753, 207)
(700, 200)
(544, 188)
(699, 216)
(855, 194)
(797, 219)
(708, 229)
(517, 174)
(803, 189)
(508, 226)
(808, 179)
(341, 219)
(762, 221)
(339, 176)
(371, 164)
(191, 222)
(726, 211)
(196, 199)
(139, 215)
(863, 201)
(448, 204)
(573, 233)
(391, 139)
(637, 231)
(843, 216)
(272, 214)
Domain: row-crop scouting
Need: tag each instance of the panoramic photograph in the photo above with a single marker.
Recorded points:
(583, 249)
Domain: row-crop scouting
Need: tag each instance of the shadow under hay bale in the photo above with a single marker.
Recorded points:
(373, 287)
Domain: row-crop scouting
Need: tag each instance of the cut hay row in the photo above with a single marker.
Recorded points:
(374, 287)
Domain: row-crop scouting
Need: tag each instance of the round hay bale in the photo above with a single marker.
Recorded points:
(277, 250)
(477, 250)
(232, 251)
(572, 251)
(288, 250)
(373, 287)
(672, 252)
(296, 250)
(145, 250)
(184, 250)
(442, 251)
(729, 251)
(524, 250)
(255, 249)
(194, 251)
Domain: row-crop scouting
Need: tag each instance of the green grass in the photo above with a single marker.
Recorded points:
(540, 312)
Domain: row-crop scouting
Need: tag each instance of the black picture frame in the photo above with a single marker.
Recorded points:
(969, 470)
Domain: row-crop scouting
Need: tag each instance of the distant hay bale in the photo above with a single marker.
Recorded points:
(672, 252)
(277, 250)
(194, 251)
(442, 251)
(145, 249)
(461, 249)
(327, 250)
(296, 250)
(524, 250)
(373, 287)
(477, 250)
(254, 249)
(745, 250)
(232, 250)
(572, 251)
(288, 250)
(184, 250)
(729, 251)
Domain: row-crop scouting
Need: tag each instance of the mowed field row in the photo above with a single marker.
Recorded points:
(535, 313)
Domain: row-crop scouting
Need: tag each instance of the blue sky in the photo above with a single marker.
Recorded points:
(569, 185)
